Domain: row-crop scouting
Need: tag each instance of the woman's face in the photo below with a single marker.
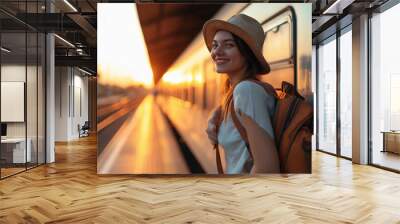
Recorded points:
(225, 54)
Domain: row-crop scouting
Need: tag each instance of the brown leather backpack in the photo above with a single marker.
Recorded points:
(292, 123)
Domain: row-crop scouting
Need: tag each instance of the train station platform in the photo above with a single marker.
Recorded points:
(144, 144)
(191, 123)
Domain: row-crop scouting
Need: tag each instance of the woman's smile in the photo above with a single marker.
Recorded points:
(221, 61)
(225, 54)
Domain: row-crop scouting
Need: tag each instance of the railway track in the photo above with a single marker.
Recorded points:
(111, 113)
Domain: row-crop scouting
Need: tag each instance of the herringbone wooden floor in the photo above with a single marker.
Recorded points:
(70, 191)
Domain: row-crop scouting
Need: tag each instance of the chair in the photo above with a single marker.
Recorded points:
(84, 130)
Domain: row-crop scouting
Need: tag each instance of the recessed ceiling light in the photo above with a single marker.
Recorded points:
(64, 40)
(84, 71)
(338, 6)
(70, 5)
(5, 50)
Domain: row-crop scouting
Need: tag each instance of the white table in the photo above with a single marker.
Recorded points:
(19, 149)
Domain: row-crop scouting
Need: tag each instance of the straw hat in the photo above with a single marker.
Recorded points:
(243, 26)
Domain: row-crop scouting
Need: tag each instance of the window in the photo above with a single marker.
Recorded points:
(346, 93)
(327, 96)
(22, 76)
(385, 89)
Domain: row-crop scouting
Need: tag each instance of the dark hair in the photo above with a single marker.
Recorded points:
(254, 66)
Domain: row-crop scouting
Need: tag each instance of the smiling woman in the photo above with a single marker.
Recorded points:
(123, 59)
(235, 47)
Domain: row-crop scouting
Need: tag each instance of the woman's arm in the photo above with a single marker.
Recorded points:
(266, 159)
(254, 109)
(212, 125)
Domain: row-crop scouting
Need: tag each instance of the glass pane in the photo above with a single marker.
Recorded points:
(313, 74)
(278, 49)
(327, 97)
(41, 98)
(31, 98)
(277, 44)
(346, 94)
(13, 87)
(385, 89)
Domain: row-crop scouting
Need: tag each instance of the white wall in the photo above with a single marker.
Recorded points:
(16, 73)
(71, 94)
(62, 81)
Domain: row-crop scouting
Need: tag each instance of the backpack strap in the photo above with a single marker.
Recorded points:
(240, 128)
(218, 158)
(243, 135)
(266, 86)
(242, 131)
(216, 147)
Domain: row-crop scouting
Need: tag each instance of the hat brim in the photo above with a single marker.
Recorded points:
(211, 27)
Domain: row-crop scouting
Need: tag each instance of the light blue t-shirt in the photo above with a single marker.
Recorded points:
(251, 99)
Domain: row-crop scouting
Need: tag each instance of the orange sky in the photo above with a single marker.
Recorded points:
(122, 57)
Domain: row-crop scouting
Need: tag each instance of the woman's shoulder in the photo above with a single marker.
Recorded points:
(247, 87)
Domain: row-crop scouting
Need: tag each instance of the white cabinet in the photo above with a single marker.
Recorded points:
(18, 149)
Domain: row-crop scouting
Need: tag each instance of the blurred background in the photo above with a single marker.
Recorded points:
(157, 85)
